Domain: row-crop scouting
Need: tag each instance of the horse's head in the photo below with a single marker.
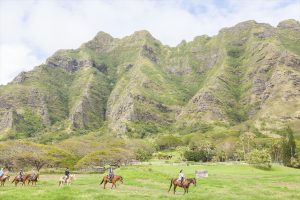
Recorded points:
(194, 181)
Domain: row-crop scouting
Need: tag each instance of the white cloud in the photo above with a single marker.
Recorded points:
(33, 30)
(15, 58)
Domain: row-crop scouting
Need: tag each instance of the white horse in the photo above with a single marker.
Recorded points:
(63, 181)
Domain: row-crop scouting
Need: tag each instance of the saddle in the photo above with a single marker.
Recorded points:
(20, 178)
(110, 179)
(179, 182)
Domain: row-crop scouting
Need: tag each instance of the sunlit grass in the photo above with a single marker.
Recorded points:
(152, 182)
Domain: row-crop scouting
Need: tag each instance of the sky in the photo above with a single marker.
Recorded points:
(32, 30)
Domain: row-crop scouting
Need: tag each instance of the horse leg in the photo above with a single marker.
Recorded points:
(170, 185)
(184, 190)
(104, 184)
(175, 188)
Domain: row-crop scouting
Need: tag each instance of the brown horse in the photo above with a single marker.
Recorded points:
(18, 179)
(33, 179)
(3, 179)
(113, 181)
(185, 184)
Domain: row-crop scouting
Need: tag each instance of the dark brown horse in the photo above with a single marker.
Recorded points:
(18, 179)
(33, 179)
(113, 181)
(3, 179)
(185, 184)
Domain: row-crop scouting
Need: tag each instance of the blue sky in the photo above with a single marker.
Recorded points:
(33, 30)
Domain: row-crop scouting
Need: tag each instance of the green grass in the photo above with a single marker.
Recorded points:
(152, 182)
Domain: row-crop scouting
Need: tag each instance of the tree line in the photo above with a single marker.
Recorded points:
(84, 153)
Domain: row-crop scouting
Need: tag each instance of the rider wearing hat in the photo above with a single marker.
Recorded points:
(67, 173)
(181, 177)
(21, 174)
(110, 173)
(1, 172)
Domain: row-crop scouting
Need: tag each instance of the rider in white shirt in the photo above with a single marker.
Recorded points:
(1, 172)
(181, 176)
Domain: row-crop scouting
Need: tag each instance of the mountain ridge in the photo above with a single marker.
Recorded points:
(246, 77)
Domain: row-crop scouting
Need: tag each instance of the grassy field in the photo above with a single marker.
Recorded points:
(152, 182)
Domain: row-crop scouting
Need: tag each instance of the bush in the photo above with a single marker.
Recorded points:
(295, 162)
(199, 155)
(29, 123)
(168, 142)
(163, 156)
(109, 156)
(259, 158)
(143, 155)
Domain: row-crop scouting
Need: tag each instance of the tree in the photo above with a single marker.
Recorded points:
(204, 152)
(288, 146)
(168, 142)
(246, 140)
(226, 150)
(259, 158)
(109, 156)
(276, 150)
(22, 154)
(142, 149)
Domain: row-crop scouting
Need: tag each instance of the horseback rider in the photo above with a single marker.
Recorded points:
(1, 173)
(110, 173)
(67, 174)
(181, 177)
(21, 174)
(33, 174)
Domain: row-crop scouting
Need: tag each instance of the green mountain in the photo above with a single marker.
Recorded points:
(246, 78)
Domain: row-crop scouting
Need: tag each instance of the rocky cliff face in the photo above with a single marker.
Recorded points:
(247, 74)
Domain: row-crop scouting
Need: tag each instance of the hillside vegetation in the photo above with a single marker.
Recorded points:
(232, 96)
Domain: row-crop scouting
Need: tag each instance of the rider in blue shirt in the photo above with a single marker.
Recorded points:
(110, 173)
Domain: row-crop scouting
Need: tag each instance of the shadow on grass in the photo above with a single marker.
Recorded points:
(264, 168)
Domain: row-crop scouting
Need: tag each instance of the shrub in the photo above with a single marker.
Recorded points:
(109, 156)
(168, 142)
(259, 158)
(199, 155)
(295, 162)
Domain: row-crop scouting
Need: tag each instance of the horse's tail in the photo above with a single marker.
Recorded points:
(102, 181)
(171, 185)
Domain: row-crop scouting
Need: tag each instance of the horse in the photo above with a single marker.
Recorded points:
(33, 179)
(113, 180)
(17, 179)
(185, 184)
(3, 179)
(67, 181)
